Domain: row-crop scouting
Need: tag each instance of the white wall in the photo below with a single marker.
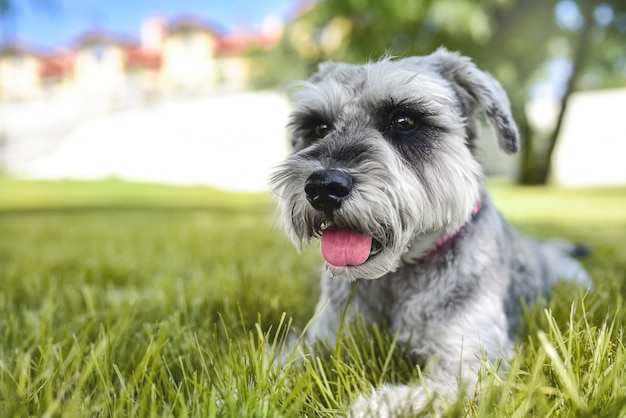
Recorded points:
(231, 141)
(226, 141)
(592, 144)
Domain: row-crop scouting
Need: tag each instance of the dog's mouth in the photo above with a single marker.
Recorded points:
(344, 247)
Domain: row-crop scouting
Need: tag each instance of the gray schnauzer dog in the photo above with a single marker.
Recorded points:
(384, 174)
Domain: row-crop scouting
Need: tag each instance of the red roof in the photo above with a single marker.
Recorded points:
(57, 65)
(134, 55)
(139, 58)
(238, 42)
(50, 64)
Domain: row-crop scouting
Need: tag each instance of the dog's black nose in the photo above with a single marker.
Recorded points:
(326, 189)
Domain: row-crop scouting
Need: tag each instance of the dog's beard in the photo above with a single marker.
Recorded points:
(403, 214)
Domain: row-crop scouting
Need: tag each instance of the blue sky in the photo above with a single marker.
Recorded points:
(59, 23)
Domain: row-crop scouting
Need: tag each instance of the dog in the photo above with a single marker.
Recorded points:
(384, 173)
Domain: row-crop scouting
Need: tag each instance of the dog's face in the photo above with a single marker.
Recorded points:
(382, 164)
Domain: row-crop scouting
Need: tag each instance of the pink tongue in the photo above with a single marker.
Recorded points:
(343, 248)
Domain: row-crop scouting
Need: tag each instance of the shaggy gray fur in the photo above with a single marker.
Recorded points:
(399, 134)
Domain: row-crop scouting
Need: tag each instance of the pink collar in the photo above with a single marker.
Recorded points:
(446, 241)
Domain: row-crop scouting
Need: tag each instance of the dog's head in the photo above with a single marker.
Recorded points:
(383, 163)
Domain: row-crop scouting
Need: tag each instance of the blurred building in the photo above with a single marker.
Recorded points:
(182, 55)
(21, 72)
(103, 107)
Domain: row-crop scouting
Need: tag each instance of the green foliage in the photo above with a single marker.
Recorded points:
(120, 299)
(512, 39)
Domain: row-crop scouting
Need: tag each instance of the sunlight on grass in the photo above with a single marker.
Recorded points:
(590, 206)
(42, 194)
(122, 299)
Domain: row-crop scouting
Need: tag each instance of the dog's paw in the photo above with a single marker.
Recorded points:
(390, 402)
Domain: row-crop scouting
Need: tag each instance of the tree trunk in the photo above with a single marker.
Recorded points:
(529, 167)
(535, 167)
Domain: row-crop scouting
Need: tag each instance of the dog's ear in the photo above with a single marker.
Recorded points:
(479, 89)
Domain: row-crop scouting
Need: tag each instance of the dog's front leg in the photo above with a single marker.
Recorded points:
(454, 357)
(391, 401)
(403, 400)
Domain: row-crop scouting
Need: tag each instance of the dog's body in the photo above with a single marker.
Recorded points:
(384, 173)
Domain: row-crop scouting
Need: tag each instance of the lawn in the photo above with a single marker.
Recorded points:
(122, 299)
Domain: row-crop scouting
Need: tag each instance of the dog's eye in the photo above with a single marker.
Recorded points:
(321, 130)
(403, 123)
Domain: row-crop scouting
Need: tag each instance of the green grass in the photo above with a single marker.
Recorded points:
(122, 299)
